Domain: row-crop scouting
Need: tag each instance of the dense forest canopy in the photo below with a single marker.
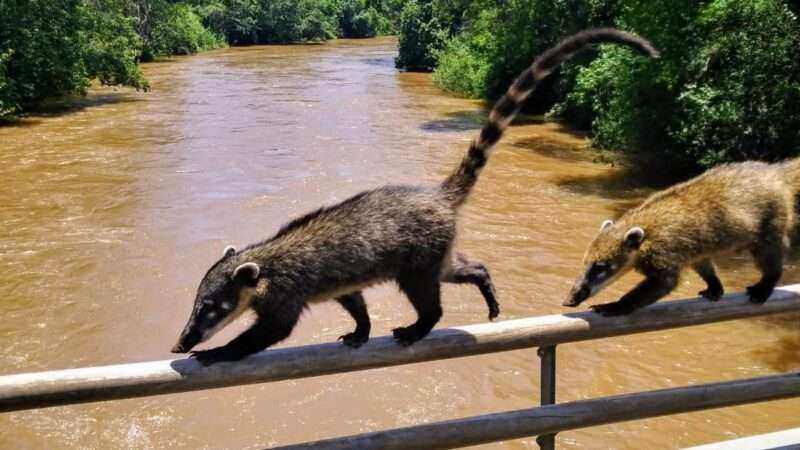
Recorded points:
(726, 88)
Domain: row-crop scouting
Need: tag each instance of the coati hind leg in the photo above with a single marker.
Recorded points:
(714, 290)
(422, 290)
(354, 304)
(271, 327)
(473, 272)
(768, 254)
(656, 285)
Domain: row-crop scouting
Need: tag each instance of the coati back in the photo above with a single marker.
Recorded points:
(400, 233)
(750, 205)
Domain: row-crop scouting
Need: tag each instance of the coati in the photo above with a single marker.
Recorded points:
(401, 233)
(749, 205)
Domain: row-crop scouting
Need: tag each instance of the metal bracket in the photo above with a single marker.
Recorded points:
(547, 354)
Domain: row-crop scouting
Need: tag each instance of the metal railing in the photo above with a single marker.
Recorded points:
(63, 387)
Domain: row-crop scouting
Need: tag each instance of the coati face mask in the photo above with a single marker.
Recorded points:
(607, 258)
(226, 291)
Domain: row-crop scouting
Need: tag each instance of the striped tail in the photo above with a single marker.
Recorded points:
(459, 184)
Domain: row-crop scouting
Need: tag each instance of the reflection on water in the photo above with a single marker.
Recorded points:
(113, 209)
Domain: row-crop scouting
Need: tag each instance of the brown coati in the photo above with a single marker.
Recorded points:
(749, 205)
(400, 233)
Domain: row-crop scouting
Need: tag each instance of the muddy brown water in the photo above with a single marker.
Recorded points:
(111, 212)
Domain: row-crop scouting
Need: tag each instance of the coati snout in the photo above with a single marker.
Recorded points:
(226, 291)
(609, 256)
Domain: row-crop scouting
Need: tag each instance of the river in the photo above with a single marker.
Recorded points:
(113, 209)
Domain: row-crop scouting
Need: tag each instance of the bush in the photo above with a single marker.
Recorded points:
(421, 36)
(499, 42)
(283, 21)
(50, 48)
(466, 62)
(178, 30)
(235, 20)
(43, 46)
(112, 47)
(8, 99)
(726, 88)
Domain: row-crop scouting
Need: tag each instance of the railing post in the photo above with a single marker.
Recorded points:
(547, 354)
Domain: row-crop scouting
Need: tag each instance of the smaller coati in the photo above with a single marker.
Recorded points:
(749, 205)
(399, 233)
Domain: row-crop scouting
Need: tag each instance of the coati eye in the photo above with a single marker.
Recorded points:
(599, 269)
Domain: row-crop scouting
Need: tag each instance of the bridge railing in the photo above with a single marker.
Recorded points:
(63, 387)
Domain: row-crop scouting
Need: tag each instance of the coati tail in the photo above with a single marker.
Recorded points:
(459, 184)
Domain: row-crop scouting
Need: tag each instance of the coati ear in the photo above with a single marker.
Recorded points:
(606, 223)
(634, 237)
(248, 272)
(229, 250)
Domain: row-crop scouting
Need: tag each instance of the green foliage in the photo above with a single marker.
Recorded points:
(179, 31)
(466, 62)
(112, 45)
(50, 48)
(235, 20)
(499, 40)
(727, 87)
(7, 95)
(358, 20)
(42, 43)
(283, 21)
(421, 35)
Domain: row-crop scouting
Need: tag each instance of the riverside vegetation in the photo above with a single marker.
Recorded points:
(726, 88)
(50, 48)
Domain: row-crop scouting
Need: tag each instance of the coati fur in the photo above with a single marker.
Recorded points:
(750, 205)
(400, 233)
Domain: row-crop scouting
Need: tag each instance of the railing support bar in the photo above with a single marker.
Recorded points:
(547, 355)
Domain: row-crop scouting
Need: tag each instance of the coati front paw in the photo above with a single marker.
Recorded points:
(612, 309)
(494, 311)
(758, 293)
(214, 355)
(354, 339)
(406, 336)
(711, 294)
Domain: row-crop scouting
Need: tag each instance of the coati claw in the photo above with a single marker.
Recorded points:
(710, 295)
(204, 357)
(758, 293)
(214, 355)
(406, 336)
(353, 340)
(611, 309)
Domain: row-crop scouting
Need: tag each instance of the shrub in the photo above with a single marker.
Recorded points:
(8, 98)
(501, 40)
(112, 46)
(50, 48)
(726, 88)
(179, 31)
(421, 36)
